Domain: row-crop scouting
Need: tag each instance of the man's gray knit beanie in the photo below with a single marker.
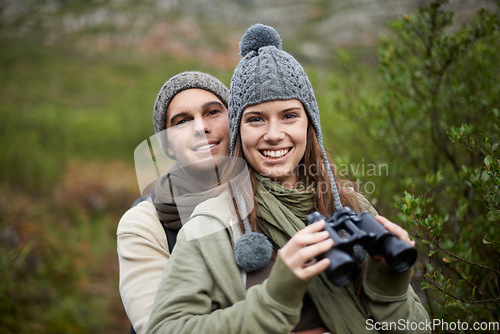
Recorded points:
(267, 73)
(180, 82)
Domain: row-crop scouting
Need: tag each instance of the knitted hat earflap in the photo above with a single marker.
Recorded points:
(267, 73)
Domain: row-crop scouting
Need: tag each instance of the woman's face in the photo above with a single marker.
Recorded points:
(273, 138)
(197, 128)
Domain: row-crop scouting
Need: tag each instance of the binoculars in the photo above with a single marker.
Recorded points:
(348, 229)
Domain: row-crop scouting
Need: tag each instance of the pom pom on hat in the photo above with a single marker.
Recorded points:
(258, 36)
(252, 251)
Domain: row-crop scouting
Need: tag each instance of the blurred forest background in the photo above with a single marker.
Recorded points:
(409, 93)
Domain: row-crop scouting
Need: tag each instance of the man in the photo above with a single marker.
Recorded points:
(191, 122)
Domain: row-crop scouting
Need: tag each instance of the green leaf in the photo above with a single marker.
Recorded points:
(493, 215)
(488, 160)
(486, 242)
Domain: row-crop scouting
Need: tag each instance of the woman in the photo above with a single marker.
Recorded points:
(191, 120)
(274, 124)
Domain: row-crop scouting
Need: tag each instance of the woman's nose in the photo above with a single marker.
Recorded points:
(274, 132)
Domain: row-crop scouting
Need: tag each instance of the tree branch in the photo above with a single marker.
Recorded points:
(483, 301)
(438, 246)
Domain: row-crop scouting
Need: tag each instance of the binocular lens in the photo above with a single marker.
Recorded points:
(404, 260)
(400, 255)
(363, 230)
(342, 267)
(343, 274)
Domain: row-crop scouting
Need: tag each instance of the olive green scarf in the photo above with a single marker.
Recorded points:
(282, 212)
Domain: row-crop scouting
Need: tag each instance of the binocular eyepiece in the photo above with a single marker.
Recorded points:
(364, 230)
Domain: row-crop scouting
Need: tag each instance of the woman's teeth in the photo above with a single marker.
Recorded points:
(274, 154)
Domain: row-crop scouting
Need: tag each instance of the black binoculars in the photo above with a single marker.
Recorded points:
(348, 229)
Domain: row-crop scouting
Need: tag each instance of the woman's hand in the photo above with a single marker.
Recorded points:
(299, 252)
(397, 230)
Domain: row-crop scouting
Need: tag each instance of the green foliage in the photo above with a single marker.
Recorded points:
(342, 92)
(58, 106)
(34, 147)
(38, 278)
(439, 122)
(61, 109)
(58, 252)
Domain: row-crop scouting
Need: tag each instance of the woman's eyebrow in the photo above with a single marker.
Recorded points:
(290, 109)
(257, 112)
(252, 112)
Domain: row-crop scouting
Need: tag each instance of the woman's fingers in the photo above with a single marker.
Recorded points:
(312, 241)
(311, 234)
(396, 229)
(305, 245)
(307, 253)
(314, 269)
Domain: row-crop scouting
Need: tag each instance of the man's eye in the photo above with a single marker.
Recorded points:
(180, 122)
(213, 112)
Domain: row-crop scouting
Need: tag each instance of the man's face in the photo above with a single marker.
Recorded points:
(197, 128)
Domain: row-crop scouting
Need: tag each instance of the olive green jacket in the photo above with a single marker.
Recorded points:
(203, 290)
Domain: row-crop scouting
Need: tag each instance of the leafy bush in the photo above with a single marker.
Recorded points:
(58, 264)
(66, 120)
(438, 121)
(57, 106)
(38, 277)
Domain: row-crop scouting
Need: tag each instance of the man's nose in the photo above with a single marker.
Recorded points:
(200, 127)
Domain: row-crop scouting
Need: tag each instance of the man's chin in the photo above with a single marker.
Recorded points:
(202, 166)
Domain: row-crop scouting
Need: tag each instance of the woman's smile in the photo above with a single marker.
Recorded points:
(274, 137)
(275, 154)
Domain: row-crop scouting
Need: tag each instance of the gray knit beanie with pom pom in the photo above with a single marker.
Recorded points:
(267, 73)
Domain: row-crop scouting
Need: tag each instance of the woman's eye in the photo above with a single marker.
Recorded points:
(254, 119)
(290, 115)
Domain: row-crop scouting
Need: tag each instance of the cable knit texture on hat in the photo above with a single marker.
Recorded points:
(180, 82)
(175, 85)
(267, 73)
